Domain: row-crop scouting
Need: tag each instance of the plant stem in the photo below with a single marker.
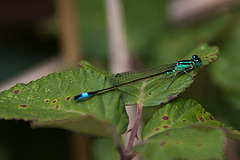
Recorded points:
(121, 149)
(134, 128)
(123, 154)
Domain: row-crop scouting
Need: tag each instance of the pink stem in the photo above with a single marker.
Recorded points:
(134, 129)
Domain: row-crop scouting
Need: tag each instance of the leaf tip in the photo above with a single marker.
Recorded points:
(172, 97)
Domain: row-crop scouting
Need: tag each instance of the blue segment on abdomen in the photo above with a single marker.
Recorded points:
(84, 95)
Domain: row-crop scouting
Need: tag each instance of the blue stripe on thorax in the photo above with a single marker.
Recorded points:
(182, 65)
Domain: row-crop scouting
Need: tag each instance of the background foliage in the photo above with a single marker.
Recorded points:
(152, 38)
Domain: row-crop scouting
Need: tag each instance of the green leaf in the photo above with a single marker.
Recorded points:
(184, 143)
(154, 91)
(180, 113)
(48, 102)
(104, 149)
(184, 113)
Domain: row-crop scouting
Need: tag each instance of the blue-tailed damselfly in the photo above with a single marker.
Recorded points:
(125, 78)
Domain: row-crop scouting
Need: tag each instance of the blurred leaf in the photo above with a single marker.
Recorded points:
(92, 26)
(104, 149)
(153, 91)
(145, 23)
(48, 102)
(180, 113)
(184, 143)
(226, 72)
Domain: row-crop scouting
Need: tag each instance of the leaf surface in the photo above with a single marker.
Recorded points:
(180, 113)
(184, 113)
(226, 72)
(184, 143)
(49, 102)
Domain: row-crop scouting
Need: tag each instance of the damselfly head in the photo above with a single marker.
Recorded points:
(197, 60)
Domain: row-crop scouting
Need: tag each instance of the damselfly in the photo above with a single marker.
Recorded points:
(125, 78)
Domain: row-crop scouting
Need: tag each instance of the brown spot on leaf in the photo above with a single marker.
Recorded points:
(162, 143)
(211, 118)
(165, 118)
(16, 91)
(201, 119)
